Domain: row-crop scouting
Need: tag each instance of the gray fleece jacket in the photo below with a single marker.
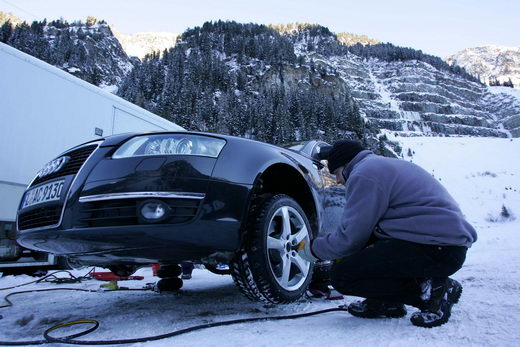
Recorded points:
(404, 200)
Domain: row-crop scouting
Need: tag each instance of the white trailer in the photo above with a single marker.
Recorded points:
(43, 112)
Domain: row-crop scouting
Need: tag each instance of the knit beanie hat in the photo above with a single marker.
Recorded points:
(342, 152)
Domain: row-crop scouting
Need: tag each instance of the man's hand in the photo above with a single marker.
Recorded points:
(304, 250)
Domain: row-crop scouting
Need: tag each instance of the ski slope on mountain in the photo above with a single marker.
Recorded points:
(481, 173)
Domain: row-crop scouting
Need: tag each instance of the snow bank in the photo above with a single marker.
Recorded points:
(482, 174)
(505, 90)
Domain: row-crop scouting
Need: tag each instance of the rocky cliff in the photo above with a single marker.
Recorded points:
(414, 98)
(411, 94)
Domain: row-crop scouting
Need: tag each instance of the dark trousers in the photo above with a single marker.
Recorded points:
(393, 270)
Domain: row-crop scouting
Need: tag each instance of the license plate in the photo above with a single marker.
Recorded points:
(45, 193)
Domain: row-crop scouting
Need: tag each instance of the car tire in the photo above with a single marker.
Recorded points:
(267, 267)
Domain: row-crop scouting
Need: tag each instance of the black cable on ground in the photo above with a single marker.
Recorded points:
(55, 279)
(50, 278)
(70, 339)
(9, 303)
(95, 324)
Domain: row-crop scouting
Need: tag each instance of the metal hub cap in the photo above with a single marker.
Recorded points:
(286, 230)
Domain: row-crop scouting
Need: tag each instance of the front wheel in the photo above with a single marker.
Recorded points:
(268, 268)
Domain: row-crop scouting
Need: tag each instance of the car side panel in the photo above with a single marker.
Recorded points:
(241, 161)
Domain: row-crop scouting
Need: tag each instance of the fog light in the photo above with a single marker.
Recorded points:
(153, 211)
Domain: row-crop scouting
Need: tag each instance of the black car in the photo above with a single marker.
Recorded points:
(135, 199)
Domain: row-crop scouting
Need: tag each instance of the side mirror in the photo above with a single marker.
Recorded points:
(323, 154)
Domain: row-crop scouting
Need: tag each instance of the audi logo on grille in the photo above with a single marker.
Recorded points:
(53, 166)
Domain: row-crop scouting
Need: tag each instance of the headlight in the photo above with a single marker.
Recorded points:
(170, 144)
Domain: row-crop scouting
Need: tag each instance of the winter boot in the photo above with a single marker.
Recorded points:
(373, 308)
(454, 290)
(445, 292)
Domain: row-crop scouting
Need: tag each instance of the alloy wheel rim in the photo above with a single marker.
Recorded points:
(286, 230)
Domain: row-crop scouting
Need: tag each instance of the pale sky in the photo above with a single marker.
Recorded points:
(440, 27)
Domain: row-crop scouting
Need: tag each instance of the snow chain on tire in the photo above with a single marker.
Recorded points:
(250, 281)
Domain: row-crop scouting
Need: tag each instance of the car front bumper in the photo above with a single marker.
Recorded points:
(137, 244)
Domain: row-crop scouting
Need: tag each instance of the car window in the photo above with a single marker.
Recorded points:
(320, 148)
(297, 147)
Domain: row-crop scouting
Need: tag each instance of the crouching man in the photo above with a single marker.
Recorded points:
(401, 236)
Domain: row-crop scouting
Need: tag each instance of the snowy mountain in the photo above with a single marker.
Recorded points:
(141, 44)
(245, 80)
(393, 88)
(405, 91)
(416, 98)
(276, 83)
(88, 50)
(491, 63)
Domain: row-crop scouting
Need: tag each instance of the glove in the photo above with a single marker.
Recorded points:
(304, 250)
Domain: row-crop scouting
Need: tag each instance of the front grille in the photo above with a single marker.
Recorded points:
(124, 212)
(77, 158)
(40, 217)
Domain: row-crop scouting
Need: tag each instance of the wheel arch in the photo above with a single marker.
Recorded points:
(282, 178)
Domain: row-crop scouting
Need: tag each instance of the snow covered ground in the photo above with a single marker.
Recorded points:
(506, 90)
(483, 174)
